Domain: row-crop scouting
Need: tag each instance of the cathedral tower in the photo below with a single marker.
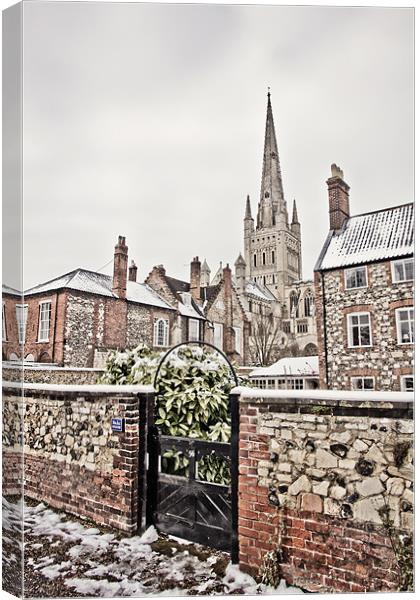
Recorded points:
(273, 247)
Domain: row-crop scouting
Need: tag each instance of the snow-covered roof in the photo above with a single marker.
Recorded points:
(98, 283)
(188, 310)
(379, 235)
(6, 289)
(259, 291)
(290, 366)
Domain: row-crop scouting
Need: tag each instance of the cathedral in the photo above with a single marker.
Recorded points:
(269, 274)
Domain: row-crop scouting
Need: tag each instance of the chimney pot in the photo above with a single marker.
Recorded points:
(119, 281)
(132, 271)
(195, 278)
(338, 197)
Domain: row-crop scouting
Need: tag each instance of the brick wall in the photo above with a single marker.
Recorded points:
(313, 473)
(385, 359)
(72, 459)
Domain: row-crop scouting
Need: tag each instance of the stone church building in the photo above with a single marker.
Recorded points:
(269, 275)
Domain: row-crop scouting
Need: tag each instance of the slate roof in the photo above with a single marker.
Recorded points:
(290, 366)
(97, 283)
(208, 294)
(177, 285)
(6, 289)
(374, 236)
(259, 291)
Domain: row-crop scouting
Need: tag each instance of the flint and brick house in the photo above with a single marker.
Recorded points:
(364, 296)
(75, 319)
(211, 313)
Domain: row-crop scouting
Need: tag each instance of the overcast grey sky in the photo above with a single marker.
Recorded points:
(148, 121)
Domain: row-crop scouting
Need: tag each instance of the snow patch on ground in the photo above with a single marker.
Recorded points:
(89, 562)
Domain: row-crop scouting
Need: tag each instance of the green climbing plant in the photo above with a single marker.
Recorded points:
(192, 399)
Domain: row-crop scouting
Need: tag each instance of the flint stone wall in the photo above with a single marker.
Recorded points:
(46, 374)
(313, 475)
(385, 359)
(72, 459)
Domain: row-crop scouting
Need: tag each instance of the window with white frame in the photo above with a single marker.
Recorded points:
(407, 383)
(405, 325)
(193, 330)
(403, 270)
(161, 332)
(3, 322)
(218, 335)
(363, 383)
(44, 321)
(359, 330)
(356, 278)
(21, 317)
(238, 339)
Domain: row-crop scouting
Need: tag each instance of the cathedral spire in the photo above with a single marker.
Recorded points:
(272, 196)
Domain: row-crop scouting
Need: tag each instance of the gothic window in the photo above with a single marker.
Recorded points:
(161, 331)
(263, 258)
(272, 257)
(308, 302)
(264, 279)
(255, 260)
(294, 308)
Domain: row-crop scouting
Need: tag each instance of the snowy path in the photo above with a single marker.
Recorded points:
(64, 557)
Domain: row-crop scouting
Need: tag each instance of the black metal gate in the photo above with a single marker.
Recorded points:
(187, 506)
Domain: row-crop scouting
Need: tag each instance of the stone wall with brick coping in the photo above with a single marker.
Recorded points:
(71, 457)
(314, 468)
(51, 374)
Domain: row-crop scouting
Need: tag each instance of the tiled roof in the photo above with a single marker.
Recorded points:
(292, 366)
(98, 283)
(379, 235)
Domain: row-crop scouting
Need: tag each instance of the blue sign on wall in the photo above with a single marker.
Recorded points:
(117, 424)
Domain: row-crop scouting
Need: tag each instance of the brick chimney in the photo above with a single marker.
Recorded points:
(132, 271)
(195, 278)
(338, 196)
(119, 282)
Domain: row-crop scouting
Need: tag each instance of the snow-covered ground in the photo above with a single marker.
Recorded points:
(64, 557)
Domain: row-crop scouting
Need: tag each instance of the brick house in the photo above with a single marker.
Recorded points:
(75, 319)
(364, 296)
(211, 313)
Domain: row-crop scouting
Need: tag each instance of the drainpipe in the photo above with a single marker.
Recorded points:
(324, 319)
(55, 328)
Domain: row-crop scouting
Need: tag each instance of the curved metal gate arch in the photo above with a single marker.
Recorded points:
(187, 507)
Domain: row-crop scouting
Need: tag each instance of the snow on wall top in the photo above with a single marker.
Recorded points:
(97, 283)
(373, 236)
(291, 366)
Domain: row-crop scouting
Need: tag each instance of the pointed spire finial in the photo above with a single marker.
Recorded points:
(295, 217)
(248, 214)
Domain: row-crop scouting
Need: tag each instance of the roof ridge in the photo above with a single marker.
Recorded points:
(379, 210)
(34, 287)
